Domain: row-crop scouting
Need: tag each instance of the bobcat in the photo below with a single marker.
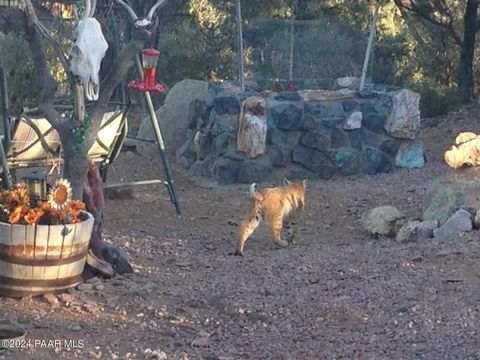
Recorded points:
(277, 205)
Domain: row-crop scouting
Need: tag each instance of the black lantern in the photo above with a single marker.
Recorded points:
(36, 184)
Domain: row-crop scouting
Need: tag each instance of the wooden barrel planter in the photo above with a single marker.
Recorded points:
(38, 259)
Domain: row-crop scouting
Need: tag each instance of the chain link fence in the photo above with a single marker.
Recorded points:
(302, 49)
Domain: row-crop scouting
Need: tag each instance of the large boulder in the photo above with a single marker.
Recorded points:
(314, 161)
(410, 155)
(347, 160)
(375, 161)
(315, 140)
(466, 151)
(404, 119)
(173, 118)
(288, 115)
(448, 193)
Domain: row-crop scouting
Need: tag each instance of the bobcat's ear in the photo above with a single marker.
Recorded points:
(285, 181)
(304, 183)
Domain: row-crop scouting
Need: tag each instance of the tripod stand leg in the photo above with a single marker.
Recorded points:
(161, 146)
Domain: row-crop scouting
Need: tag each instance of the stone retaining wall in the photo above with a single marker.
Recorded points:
(310, 134)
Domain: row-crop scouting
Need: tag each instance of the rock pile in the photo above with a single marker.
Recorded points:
(310, 134)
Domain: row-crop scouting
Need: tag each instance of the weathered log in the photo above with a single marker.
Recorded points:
(252, 129)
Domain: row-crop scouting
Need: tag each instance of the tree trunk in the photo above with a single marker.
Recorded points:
(75, 165)
(465, 66)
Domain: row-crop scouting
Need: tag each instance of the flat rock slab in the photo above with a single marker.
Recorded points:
(322, 95)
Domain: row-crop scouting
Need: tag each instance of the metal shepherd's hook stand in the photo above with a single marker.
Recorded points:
(161, 145)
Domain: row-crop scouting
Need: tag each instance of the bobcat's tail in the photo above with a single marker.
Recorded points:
(254, 193)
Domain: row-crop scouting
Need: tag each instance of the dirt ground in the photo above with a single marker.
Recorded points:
(338, 294)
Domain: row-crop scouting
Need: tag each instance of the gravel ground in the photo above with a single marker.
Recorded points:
(338, 294)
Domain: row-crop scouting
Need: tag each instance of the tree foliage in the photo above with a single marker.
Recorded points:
(457, 22)
(426, 45)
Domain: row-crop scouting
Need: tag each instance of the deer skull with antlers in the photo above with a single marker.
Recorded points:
(87, 52)
(142, 21)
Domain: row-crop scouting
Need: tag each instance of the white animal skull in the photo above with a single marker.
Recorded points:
(87, 54)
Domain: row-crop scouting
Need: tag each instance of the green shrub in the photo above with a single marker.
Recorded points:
(435, 103)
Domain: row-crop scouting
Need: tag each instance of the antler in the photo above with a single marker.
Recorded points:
(146, 21)
(129, 9)
(154, 8)
(92, 11)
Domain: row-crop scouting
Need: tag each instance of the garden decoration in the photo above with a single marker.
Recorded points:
(150, 59)
(149, 79)
(44, 238)
(36, 184)
(87, 54)
(79, 134)
(161, 146)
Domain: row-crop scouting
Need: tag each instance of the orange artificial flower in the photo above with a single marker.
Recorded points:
(77, 205)
(33, 216)
(15, 206)
(75, 208)
(45, 206)
(20, 196)
(17, 214)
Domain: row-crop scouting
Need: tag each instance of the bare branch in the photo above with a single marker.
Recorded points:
(154, 8)
(29, 9)
(45, 100)
(410, 5)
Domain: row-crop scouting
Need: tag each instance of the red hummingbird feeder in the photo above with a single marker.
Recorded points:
(149, 82)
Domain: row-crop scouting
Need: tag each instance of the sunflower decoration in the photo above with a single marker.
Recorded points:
(59, 208)
(60, 195)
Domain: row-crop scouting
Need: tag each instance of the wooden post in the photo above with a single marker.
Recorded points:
(371, 36)
(241, 70)
(4, 101)
(292, 41)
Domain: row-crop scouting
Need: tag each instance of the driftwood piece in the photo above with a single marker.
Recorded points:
(466, 151)
(252, 129)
